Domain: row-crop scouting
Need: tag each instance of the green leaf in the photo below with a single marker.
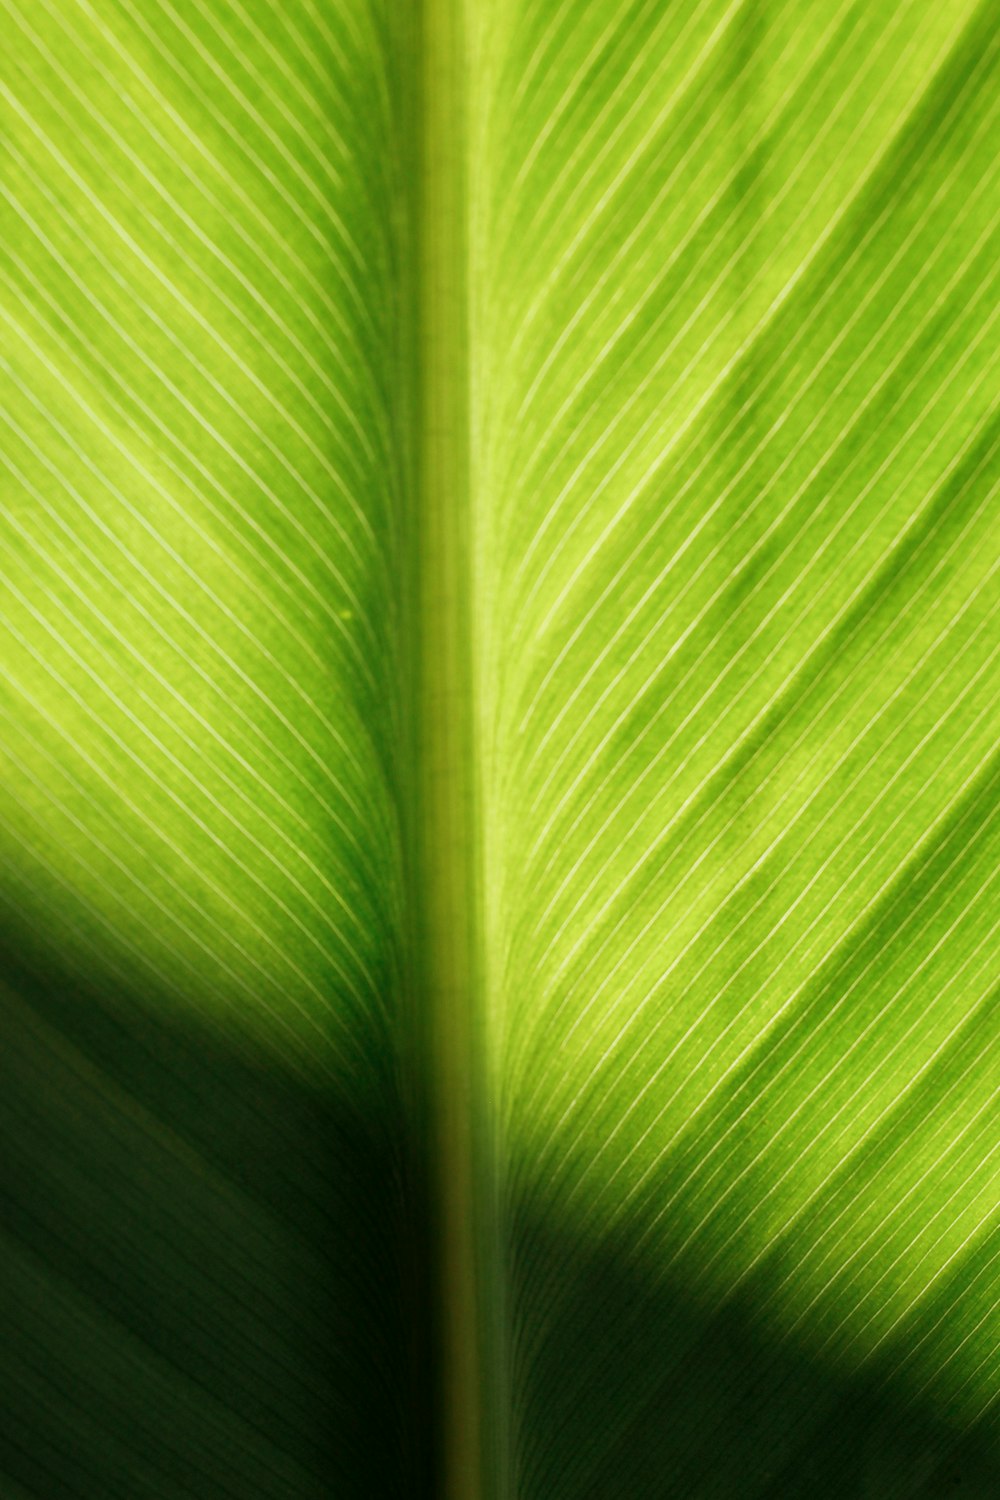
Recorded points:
(500, 819)
(206, 1123)
(736, 283)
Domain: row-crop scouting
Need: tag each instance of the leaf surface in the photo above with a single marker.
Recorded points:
(500, 614)
(736, 290)
(206, 1163)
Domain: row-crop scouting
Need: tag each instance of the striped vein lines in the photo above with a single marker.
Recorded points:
(738, 397)
(735, 415)
(201, 889)
(204, 497)
(671, 229)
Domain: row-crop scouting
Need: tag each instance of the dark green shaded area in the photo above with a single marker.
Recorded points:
(212, 1274)
(630, 1386)
(214, 1282)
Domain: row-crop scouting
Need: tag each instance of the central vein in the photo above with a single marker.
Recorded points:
(446, 899)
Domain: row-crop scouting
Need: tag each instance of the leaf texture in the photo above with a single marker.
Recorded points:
(736, 291)
(721, 433)
(205, 1164)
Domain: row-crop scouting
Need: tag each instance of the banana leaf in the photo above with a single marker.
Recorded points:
(500, 531)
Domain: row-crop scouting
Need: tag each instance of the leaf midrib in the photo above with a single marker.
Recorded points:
(446, 946)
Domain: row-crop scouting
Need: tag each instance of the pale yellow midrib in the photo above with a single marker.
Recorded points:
(445, 867)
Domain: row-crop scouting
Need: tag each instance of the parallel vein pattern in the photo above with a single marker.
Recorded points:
(203, 469)
(736, 390)
(734, 469)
